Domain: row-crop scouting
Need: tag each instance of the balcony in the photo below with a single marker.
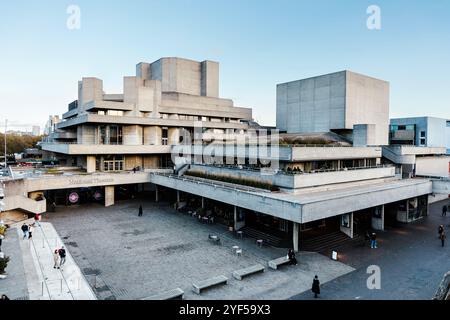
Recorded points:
(93, 149)
(298, 180)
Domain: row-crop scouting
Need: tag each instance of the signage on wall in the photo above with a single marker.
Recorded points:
(73, 197)
(98, 195)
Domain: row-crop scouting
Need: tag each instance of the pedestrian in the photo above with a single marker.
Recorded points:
(444, 211)
(1, 240)
(373, 240)
(443, 236)
(62, 256)
(25, 231)
(291, 257)
(56, 259)
(4, 297)
(134, 170)
(30, 231)
(440, 230)
(140, 211)
(316, 287)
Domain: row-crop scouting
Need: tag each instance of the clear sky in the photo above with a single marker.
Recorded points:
(258, 43)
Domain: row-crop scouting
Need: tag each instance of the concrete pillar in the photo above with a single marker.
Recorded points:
(153, 135)
(295, 234)
(132, 135)
(90, 164)
(156, 193)
(203, 203)
(378, 218)
(348, 230)
(178, 196)
(109, 196)
(173, 136)
(235, 218)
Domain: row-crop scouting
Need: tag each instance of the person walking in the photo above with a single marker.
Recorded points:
(444, 211)
(25, 231)
(443, 236)
(440, 230)
(291, 257)
(62, 256)
(316, 287)
(56, 259)
(30, 231)
(373, 240)
(140, 211)
(1, 240)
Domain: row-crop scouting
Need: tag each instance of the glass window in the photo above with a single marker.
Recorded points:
(422, 134)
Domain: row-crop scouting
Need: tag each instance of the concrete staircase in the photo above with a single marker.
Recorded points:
(269, 239)
(25, 203)
(332, 241)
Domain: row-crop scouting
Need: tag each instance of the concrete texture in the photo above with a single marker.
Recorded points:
(332, 102)
(135, 257)
(410, 257)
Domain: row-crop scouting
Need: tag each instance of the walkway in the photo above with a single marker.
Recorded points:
(44, 282)
(411, 260)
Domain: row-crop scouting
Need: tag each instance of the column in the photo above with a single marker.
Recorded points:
(295, 231)
(378, 218)
(347, 224)
(90, 164)
(109, 196)
(178, 196)
(156, 193)
(203, 203)
(235, 218)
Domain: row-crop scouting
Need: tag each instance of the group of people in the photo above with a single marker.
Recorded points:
(59, 257)
(28, 230)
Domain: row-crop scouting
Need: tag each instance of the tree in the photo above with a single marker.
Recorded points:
(17, 144)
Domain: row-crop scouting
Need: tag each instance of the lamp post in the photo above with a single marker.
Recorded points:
(6, 125)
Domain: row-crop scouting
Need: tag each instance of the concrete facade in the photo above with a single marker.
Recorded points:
(336, 101)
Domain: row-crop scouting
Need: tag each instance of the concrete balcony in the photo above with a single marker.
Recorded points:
(108, 105)
(70, 114)
(297, 181)
(145, 121)
(93, 149)
(307, 153)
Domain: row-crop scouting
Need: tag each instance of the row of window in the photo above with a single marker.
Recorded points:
(120, 113)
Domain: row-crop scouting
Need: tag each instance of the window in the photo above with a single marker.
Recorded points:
(118, 113)
(422, 134)
(101, 112)
(165, 135)
(422, 142)
(401, 127)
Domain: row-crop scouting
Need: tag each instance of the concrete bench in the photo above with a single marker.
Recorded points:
(274, 264)
(168, 295)
(214, 239)
(241, 273)
(201, 285)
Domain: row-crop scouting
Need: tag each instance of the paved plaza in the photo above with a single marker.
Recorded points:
(124, 256)
(411, 259)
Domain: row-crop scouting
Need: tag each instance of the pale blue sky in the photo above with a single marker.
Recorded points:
(258, 44)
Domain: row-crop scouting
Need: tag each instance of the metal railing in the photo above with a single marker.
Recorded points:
(252, 169)
(209, 182)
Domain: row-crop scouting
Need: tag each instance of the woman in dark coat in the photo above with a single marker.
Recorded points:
(140, 211)
(292, 258)
(316, 286)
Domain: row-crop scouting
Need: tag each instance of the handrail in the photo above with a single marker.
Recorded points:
(297, 173)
